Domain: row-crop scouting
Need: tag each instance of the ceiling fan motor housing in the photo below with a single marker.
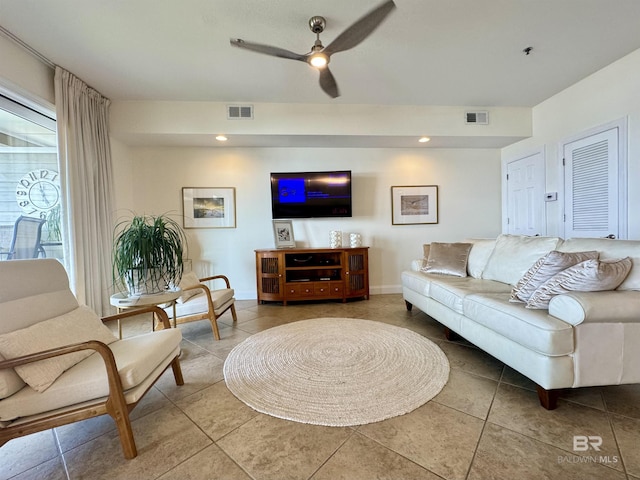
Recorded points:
(317, 24)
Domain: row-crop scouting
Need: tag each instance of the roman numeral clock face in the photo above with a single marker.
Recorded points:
(38, 191)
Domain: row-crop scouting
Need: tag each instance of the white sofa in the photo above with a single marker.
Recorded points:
(583, 339)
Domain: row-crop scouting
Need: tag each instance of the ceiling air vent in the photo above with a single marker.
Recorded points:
(239, 112)
(477, 118)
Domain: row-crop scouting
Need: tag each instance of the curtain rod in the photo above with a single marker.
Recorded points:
(26, 47)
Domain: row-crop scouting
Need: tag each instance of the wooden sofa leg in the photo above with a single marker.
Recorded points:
(451, 335)
(233, 313)
(409, 305)
(548, 398)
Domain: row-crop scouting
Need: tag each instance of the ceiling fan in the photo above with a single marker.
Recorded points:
(319, 56)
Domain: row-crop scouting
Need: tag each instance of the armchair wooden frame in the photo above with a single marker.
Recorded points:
(210, 314)
(115, 404)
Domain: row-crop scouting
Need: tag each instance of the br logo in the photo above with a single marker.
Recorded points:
(582, 443)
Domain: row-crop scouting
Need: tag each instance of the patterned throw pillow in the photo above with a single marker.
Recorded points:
(546, 267)
(588, 276)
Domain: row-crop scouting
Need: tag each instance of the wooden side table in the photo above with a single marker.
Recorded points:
(123, 302)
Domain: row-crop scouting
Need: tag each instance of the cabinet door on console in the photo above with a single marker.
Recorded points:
(357, 272)
(270, 268)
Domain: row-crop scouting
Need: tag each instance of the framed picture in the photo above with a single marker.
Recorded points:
(283, 234)
(414, 205)
(209, 207)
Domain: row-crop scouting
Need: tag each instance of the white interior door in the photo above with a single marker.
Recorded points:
(591, 185)
(525, 196)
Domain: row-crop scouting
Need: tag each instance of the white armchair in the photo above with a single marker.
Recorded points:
(60, 364)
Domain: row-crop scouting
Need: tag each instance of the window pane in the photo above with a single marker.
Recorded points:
(29, 180)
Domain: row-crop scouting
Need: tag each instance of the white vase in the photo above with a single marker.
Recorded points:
(335, 239)
(355, 240)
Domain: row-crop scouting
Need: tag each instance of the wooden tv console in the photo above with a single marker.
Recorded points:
(295, 274)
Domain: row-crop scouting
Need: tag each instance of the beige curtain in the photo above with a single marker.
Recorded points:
(86, 179)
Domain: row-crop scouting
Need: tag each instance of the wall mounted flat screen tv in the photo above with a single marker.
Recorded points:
(311, 194)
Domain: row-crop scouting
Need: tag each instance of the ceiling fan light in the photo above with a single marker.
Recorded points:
(424, 139)
(318, 60)
(221, 138)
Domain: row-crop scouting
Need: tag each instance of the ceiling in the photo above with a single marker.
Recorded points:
(428, 52)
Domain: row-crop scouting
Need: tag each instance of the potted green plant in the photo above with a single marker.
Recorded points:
(147, 254)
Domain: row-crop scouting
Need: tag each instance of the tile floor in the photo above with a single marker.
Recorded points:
(485, 424)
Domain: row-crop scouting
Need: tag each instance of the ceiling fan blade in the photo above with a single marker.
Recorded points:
(360, 30)
(328, 83)
(267, 50)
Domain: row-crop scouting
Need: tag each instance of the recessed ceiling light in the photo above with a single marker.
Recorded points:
(424, 139)
(221, 138)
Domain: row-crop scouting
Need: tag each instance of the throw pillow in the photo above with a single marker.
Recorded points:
(587, 276)
(10, 381)
(448, 259)
(188, 280)
(79, 325)
(513, 255)
(546, 267)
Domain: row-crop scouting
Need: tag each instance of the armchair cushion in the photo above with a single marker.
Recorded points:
(137, 359)
(79, 325)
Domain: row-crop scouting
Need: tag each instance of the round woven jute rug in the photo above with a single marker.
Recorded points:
(336, 371)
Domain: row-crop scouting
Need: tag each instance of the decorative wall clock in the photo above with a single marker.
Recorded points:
(38, 191)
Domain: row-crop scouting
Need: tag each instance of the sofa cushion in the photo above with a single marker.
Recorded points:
(479, 255)
(546, 267)
(198, 303)
(79, 325)
(451, 291)
(87, 380)
(513, 255)
(610, 249)
(533, 329)
(416, 281)
(448, 259)
(587, 276)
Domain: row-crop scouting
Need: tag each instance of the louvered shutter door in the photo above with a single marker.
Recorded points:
(591, 186)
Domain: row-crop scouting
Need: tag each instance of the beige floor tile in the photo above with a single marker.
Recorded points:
(468, 393)
(51, 470)
(24, 453)
(519, 410)
(272, 449)
(216, 410)
(505, 454)
(436, 437)
(229, 338)
(588, 396)
(200, 369)
(75, 434)
(360, 458)
(210, 463)
(471, 360)
(623, 399)
(627, 431)
(164, 439)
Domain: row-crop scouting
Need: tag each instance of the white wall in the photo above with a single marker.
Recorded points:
(608, 95)
(469, 200)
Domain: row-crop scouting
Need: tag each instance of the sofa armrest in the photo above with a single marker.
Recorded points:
(602, 307)
(417, 265)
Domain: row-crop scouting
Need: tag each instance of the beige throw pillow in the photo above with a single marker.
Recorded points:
(79, 325)
(546, 267)
(587, 276)
(448, 259)
(10, 381)
(188, 280)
